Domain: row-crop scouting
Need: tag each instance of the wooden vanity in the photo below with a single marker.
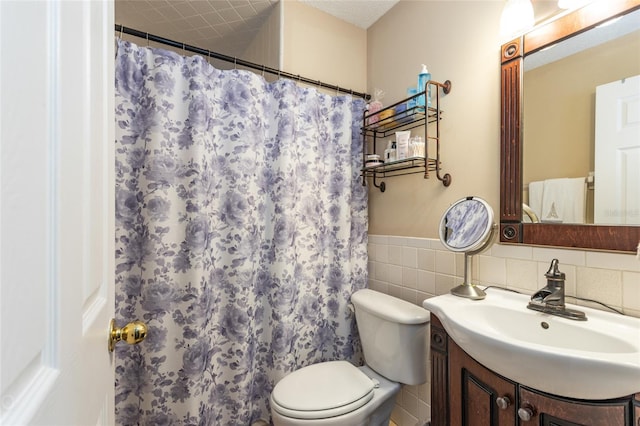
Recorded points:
(463, 392)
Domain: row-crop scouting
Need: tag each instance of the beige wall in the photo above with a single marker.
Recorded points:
(458, 41)
(265, 47)
(319, 46)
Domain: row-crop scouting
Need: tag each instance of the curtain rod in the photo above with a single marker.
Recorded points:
(204, 52)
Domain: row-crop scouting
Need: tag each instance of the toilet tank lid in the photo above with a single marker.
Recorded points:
(388, 307)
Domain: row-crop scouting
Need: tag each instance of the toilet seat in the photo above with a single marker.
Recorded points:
(322, 390)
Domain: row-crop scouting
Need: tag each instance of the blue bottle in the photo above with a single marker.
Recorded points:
(423, 77)
(411, 103)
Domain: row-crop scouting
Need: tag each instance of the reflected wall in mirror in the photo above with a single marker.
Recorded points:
(525, 128)
(559, 124)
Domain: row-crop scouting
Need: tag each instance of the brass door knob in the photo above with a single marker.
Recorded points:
(132, 333)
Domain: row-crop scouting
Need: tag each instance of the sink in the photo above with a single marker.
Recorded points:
(594, 359)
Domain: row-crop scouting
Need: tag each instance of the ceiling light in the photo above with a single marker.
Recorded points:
(517, 18)
(609, 22)
(571, 4)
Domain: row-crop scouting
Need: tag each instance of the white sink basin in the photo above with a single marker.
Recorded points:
(594, 359)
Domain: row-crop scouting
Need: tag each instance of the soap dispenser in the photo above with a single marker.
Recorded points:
(423, 78)
(390, 152)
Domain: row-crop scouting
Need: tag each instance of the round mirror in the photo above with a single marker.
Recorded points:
(467, 226)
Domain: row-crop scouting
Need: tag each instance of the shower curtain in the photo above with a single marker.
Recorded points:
(241, 232)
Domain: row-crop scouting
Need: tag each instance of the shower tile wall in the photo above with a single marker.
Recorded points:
(415, 269)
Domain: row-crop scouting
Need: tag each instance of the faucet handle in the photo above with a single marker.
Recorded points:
(553, 272)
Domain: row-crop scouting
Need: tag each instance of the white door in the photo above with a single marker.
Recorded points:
(617, 154)
(56, 212)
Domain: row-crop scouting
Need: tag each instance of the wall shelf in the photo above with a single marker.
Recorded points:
(384, 123)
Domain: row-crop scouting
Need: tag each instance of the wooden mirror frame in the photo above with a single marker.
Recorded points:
(512, 229)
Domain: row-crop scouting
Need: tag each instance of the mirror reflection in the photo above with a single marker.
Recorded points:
(582, 128)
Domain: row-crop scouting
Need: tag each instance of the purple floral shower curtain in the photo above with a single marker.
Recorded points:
(240, 236)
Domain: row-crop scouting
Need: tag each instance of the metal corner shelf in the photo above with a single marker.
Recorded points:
(407, 119)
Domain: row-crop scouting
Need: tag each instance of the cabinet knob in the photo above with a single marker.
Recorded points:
(503, 402)
(525, 413)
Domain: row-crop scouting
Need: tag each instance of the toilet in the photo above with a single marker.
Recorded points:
(393, 333)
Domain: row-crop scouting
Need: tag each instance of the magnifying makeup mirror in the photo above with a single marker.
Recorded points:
(468, 227)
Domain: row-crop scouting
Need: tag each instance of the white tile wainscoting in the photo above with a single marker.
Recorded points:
(415, 269)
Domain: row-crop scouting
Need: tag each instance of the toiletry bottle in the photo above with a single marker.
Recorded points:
(393, 155)
(387, 153)
(390, 153)
(402, 144)
(411, 102)
(375, 106)
(423, 77)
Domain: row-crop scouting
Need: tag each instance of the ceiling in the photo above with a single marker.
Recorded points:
(228, 26)
(221, 26)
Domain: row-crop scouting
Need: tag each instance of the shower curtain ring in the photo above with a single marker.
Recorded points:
(147, 39)
(121, 30)
(235, 63)
(263, 71)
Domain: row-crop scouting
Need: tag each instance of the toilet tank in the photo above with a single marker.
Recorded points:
(394, 336)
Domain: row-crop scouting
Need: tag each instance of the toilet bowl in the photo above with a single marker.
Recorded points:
(343, 403)
(393, 333)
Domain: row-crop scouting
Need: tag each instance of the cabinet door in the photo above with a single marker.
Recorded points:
(477, 395)
(554, 411)
(637, 410)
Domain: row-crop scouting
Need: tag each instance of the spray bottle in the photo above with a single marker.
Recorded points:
(423, 77)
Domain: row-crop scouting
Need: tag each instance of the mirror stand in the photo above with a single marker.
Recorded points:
(467, 288)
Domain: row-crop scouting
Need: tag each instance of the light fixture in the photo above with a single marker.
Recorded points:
(609, 22)
(517, 18)
(571, 4)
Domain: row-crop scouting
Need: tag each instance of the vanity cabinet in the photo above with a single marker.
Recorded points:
(379, 127)
(478, 396)
(543, 409)
(464, 392)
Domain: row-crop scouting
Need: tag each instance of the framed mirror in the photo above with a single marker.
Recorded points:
(552, 229)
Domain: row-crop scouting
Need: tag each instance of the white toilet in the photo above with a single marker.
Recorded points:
(394, 341)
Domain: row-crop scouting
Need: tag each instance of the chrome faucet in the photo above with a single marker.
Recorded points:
(550, 299)
(553, 293)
